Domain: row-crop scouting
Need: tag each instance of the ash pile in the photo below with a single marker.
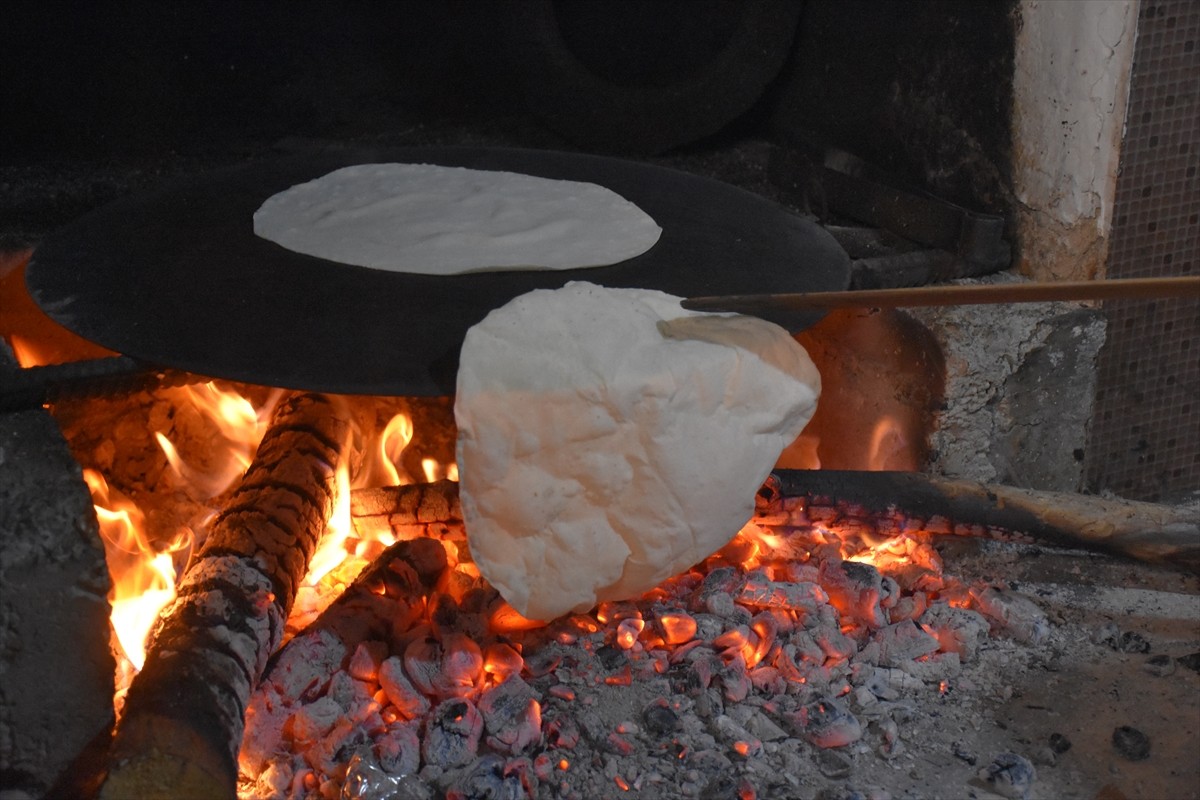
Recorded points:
(802, 660)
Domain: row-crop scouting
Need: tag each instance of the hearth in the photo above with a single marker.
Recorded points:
(919, 607)
(841, 642)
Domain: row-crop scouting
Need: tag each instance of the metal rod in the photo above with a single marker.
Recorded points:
(952, 295)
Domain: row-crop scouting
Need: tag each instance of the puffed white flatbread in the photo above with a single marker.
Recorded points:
(609, 439)
(434, 220)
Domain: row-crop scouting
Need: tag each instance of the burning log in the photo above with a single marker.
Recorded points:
(184, 716)
(413, 510)
(377, 612)
(1145, 531)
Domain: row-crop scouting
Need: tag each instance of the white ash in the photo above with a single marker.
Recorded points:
(726, 681)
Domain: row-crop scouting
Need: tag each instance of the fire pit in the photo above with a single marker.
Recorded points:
(833, 647)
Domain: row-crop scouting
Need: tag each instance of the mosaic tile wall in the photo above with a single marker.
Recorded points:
(1145, 438)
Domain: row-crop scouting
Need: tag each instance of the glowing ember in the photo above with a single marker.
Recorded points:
(785, 616)
(628, 631)
(678, 627)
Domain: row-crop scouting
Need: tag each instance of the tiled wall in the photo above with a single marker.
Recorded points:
(1145, 438)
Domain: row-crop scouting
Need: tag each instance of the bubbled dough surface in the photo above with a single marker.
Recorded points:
(609, 439)
(434, 220)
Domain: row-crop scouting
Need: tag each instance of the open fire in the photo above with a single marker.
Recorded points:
(823, 646)
(440, 686)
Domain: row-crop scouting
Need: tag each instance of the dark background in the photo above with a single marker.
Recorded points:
(101, 98)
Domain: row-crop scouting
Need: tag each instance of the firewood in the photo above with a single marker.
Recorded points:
(381, 606)
(413, 504)
(1144, 531)
(184, 715)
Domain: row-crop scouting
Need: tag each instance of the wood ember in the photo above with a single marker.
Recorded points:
(184, 715)
(1139, 530)
(694, 689)
(740, 671)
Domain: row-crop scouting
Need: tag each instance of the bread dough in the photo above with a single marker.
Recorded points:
(433, 220)
(609, 439)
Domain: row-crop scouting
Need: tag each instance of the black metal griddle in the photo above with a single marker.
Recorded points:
(178, 279)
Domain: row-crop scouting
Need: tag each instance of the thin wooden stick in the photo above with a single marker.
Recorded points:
(951, 295)
(1145, 531)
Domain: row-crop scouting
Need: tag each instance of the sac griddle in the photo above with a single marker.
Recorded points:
(177, 278)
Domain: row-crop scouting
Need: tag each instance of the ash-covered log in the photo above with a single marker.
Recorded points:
(372, 618)
(184, 715)
(1145, 531)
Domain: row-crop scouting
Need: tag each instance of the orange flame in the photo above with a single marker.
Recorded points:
(331, 549)
(889, 448)
(239, 429)
(28, 353)
(385, 469)
(143, 579)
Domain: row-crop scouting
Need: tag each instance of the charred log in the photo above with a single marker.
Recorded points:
(184, 714)
(372, 618)
(407, 509)
(1145, 531)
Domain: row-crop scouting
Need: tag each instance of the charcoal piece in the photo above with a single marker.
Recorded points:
(763, 728)
(709, 627)
(562, 732)
(660, 720)
(722, 787)
(1014, 614)
(398, 751)
(491, 778)
(807, 597)
(854, 589)
(447, 668)
(594, 727)
(902, 642)
(543, 662)
(400, 692)
(1009, 775)
(1059, 743)
(826, 722)
(1130, 743)
(1191, 661)
(452, 733)
(610, 657)
(722, 580)
(961, 752)
(511, 716)
(1132, 642)
(1160, 665)
(833, 765)
(683, 679)
(958, 630)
